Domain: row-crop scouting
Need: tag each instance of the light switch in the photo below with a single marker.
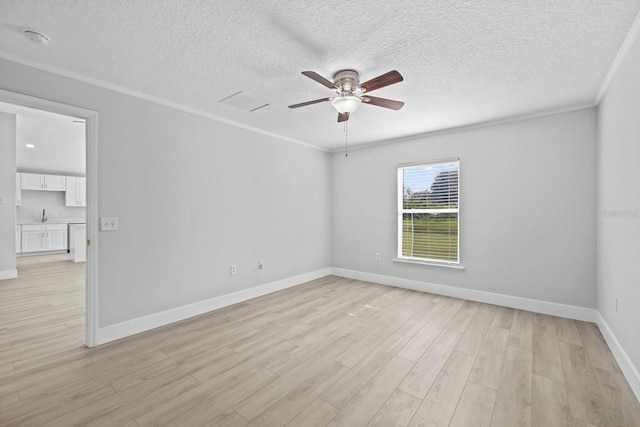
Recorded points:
(108, 223)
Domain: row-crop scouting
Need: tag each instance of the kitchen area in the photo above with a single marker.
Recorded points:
(46, 152)
(51, 215)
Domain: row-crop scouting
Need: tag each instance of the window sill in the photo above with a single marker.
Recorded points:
(430, 263)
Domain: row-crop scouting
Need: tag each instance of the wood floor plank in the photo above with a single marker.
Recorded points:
(188, 366)
(120, 408)
(441, 401)
(460, 321)
(546, 353)
(475, 407)
(361, 409)
(419, 380)
(204, 403)
(420, 318)
(549, 402)
(333, 350)
(343, 390)
(229, 419)
(594, 344)
(522, 330)
(253, 405)
(418, 344)
(309, 351)
(235, 367)
(622, 408)
(578, 423)
(300, 397)
(503, 318)
(567, 330)
(513, 398)
(317, 414)
(586, 401)
(474, 334)
(8, 399)
(362, 348)
(488, 365)
(398, 410)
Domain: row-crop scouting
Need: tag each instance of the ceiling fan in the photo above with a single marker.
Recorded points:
(351, 93)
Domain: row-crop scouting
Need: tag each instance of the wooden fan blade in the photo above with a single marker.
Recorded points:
(343, 117)
(383, 102)
(317, 77)
(315, 101)
(381, 81)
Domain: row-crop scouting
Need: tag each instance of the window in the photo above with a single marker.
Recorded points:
(428, 212)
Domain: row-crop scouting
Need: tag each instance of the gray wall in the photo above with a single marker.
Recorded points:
(527, 194)
(193, 195)
(619, 205)
(8, 190)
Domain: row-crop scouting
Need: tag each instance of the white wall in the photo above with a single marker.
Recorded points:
(8, 191)
(528, 202)
(619, 207)
(193, 195)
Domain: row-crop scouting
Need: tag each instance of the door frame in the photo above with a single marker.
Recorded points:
(91, 140)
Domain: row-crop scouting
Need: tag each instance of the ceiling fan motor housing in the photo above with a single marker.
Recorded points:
(347, 80)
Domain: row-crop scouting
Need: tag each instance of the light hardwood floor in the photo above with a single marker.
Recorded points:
(333, 352)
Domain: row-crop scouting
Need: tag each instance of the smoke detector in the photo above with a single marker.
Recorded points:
(37, 37)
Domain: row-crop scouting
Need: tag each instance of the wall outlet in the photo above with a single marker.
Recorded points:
(109, 223)
(260, 265)
(233, 270)
(378, 257)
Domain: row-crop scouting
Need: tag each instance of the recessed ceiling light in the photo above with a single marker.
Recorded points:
(37, 37)
(30, 146)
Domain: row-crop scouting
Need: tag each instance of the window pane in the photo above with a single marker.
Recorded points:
(430, 236)
(430, 186)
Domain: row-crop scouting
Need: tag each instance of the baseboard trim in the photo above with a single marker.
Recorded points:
(8, 274)
(626, 365)
(156, 320)
(537, 306)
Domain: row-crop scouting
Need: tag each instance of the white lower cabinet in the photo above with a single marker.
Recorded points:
(39, 238)
(78, 242)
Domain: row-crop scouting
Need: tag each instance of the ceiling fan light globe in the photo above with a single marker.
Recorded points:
(346, 104)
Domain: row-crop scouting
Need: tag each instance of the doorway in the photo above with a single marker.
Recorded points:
(88, 119)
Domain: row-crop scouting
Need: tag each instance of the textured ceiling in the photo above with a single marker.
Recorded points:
(463, 62)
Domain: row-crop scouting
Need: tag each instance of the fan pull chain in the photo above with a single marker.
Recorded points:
(346, 139)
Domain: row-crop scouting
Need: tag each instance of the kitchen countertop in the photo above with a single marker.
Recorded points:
(38, 221)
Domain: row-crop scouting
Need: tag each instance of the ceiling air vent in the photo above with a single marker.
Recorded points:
(245, 101)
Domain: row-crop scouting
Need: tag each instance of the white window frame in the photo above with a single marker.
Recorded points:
(401, 211)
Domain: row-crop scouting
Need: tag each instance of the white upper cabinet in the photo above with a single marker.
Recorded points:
(55, 182)
(32, 181)
(76, 191)
(36, 181)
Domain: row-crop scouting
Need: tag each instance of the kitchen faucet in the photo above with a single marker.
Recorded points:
(44, 217)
